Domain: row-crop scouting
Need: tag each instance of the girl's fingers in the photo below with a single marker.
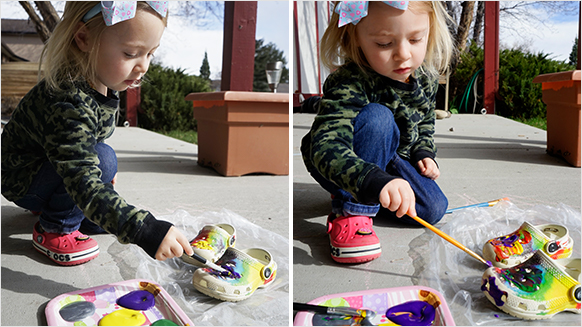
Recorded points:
(395, 201)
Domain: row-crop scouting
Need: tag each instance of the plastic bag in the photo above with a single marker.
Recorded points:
(457, 275)
(267, 306)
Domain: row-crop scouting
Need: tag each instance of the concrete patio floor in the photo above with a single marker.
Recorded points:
(481, 158)
(156, 173)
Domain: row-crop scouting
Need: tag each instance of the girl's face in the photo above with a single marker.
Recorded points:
(393, 41)
(126, 50)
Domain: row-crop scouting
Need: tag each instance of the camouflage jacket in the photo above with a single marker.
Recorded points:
(63, 128)
(328, 147)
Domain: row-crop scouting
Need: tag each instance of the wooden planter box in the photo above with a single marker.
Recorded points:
(561, 94)
(242, 132)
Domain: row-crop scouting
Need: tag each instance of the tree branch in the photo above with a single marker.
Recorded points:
(40, 26)
(49, 14)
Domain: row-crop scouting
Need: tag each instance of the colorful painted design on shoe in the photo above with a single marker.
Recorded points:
(247, 270)
(536, 289)
(211, 242)
(515, 248)
(210, 239)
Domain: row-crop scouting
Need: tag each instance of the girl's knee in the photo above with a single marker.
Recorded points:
(435, 211)
(375, 119)
(107, 161)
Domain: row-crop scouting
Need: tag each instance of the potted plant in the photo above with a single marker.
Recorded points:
(242, 132)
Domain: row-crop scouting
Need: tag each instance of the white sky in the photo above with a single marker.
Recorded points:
(183, 45)
(556, 37)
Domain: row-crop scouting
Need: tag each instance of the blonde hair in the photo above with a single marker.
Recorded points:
(61, 58)
(340, 42)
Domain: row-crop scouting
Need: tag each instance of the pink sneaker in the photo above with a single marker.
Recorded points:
(352, 239)
(65, 249)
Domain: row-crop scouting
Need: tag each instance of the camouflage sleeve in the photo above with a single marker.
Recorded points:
(332, 152)
(70, 142)
(425, 146)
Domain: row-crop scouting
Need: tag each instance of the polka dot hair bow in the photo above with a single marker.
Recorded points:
(353, 11)
(119, 11)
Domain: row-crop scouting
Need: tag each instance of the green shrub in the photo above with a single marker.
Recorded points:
(518, 96)
(162, 99)
(521, 98)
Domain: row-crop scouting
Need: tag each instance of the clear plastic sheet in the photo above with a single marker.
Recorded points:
(266, 307)
(451, 271)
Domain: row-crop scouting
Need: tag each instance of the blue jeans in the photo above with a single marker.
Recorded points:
(376, 139)
(47, 194)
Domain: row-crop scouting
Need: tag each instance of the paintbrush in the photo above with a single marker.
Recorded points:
(451, 240)
(366, 315)
(478, 205)
(209, 264)
(327, 310)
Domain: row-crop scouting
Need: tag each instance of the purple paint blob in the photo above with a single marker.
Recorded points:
(494, 291)
(496, 315)
(137, 300)
(489, 263)
(229, 273)
(508, 241)
(412, 313)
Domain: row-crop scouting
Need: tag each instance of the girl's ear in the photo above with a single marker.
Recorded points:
(82, 37)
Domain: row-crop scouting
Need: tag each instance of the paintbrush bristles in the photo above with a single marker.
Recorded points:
(216, 267)
(450, 240)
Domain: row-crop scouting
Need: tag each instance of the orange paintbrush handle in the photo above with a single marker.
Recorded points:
(450, 240)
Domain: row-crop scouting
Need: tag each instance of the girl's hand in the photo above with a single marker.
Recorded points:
(429, 168)
(174, 244)
(398, 196)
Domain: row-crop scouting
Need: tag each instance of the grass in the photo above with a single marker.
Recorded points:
(186, 136)
(538, 122)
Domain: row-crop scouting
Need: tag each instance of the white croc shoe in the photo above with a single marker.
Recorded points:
(515, 248)
(538, 288)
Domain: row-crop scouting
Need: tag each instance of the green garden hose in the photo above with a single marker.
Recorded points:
(466, 94)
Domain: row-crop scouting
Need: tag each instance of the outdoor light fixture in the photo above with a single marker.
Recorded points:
(273, 71)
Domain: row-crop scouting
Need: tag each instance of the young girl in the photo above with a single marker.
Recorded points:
(371, 144)
(53, 157)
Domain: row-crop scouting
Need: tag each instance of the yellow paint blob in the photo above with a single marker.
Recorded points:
(123, 317)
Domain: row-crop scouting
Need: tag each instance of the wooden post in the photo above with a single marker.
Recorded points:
(238, 54)
(491, 52)
(132, 103)
(578, 64)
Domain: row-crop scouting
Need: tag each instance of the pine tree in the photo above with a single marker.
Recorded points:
(205, 68)
(574, 54)
(265, 54)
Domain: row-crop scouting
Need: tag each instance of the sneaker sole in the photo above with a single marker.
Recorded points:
(356, 254)
(527, 315)
(68, 259)
(226, 297)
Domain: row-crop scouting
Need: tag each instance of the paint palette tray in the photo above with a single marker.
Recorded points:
(104, 298)
(379, 301)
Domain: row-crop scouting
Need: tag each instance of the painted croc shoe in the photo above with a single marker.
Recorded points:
(352, 239)
(211, 243)
(538, 288)
(248, 270)
(517, 247)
